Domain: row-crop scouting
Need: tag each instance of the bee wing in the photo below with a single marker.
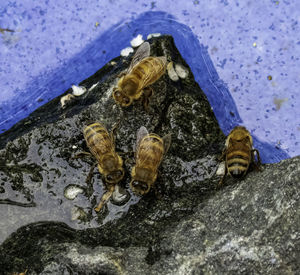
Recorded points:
(142, 131)
(167, 142)
(95, 141)
(150, 155)
(142, 52)
(153, 75)
(163, 59)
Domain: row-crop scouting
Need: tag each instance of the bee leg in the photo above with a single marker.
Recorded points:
(121, 74)
(106, 196)
(258, 156)
(258, 163)
(5, 30)
(128, 157)
(126, 154)
(158, 193)
(222, 157)
(129, 161)
(158, 188)
(90, 175)
(114, 89)
(147, 93)
(222, 180)
(81, 155)
(113, 132)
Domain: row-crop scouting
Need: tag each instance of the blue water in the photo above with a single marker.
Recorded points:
(107, 46)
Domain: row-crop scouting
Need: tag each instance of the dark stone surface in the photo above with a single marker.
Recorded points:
(190, 227)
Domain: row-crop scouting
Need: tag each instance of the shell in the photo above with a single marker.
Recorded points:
(137, 41)
(65, 99)
(171, 72)
(78, 90)
(72, 191)
(127, 51)
(181, 71)
(150, 35)
(221, 169)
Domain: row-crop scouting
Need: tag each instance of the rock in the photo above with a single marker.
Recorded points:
(249, 226)
(185, 226)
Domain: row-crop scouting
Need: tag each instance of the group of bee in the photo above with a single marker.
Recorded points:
(150, 149)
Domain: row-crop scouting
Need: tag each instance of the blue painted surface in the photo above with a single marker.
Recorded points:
(231, 48)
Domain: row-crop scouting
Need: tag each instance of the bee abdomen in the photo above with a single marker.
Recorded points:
(150, 69)
(97, 139)
(94, 129)
(238, 165)
(151, 151)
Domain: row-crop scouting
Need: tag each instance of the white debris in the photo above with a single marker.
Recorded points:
(77, 214)
(72, 191)
(93, 86)
(65, 99)
(74, 147)
(113, 63)
(119, 194)
(157, 34)
(171, 72)
(135, 42)
(78, 90)
(181, 71)
(127, 51)
(107, 95)
(221, 169)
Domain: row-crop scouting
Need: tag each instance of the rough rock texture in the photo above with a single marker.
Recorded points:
(189, 227)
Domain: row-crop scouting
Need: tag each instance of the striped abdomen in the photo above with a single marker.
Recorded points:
(98, 140)
(150, 152)
(149, 70)
(238, 159)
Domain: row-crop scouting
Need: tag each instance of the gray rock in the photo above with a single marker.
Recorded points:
(248, 227)
(185, 226)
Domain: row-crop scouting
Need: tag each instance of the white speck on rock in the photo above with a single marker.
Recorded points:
(72, 191)
(221, 169)
(93, 86)
(137, 41)
(78, 90)
(157, 34)
(65, 99)
(119, 194)
(181, 71)
(171, 72)
(127, 51)
(75, 214)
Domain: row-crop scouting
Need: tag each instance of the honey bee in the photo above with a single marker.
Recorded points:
(149, 152)
(17, 273)
(239, 153)
(5, 30)
(143, 71)
(110, 164)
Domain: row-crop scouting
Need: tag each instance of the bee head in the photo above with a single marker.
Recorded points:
(121, 98)
(239, 134)
(139, 187)
(115, 176)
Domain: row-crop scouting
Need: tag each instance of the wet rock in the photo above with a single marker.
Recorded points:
(247, 226)
(184, 226)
